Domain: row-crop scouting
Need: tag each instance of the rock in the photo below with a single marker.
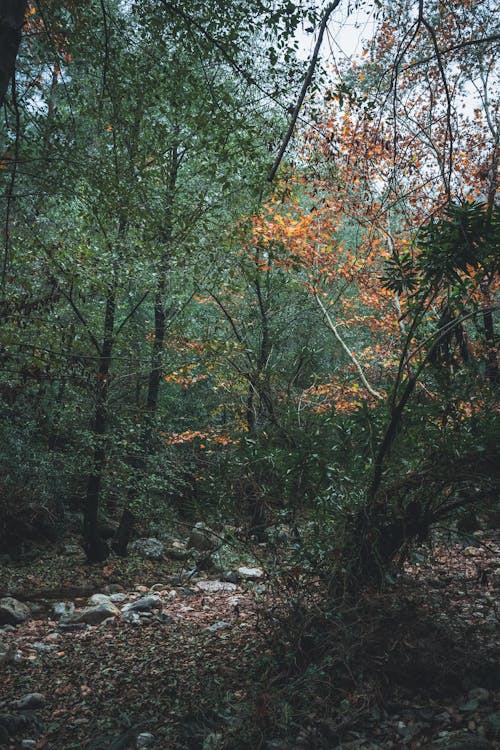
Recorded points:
(99, 599)
(69, 626)
(62, 609)
(30, 702)
(144, 739)
(491, 725)
(12, 612)
(150, 548)
(251, 574)
(7, 652)
(140, 610)
(177, 553)
(7, 629)
(220, 625)
(481, 695)
(93, 615)
(143, 604)
(117, 598)
(28, 744)
(202, 538)
(213, 587)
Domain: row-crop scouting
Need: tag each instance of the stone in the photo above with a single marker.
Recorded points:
(251, 574)
(12, 612)
(62, 609)
(491, 725)
(117, 598)
(28, 744)
(145, 603)
(481, 695)
(99, 599)
(8, 629)
(214, 587)
(144, 739)
(202, 538)
(30, 702)
(93, 615)
(219, 625)
(7, 651)
(150, 548)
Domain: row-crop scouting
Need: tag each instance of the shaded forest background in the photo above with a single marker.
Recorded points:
(203, 317)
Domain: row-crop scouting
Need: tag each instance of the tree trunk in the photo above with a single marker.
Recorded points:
(95, 547)
(12, 14)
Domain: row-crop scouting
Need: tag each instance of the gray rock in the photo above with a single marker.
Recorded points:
(7, 652)
(12, 612)
(62, 609)
(100, 599)
(479, 694)
(202, 538)
(144, 739)
(7, 629)
(93, 615)
(117, 598)
(150, 548)
(143, 604)
(492, 725)
(30, 702)
(213, 587)
(28, 744)
(251, 574)
(220, 625)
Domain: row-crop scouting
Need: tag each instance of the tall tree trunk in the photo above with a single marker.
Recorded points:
(156, 369)
(12, 14)
(95, 547)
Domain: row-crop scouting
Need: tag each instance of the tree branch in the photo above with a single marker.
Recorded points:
(307, 82)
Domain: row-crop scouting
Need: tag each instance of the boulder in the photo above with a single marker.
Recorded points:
(12, 612)
(144, 604)
(150, 548)
(30, 702)
(202, 538)
(100, 599)
(62, 609)
(93, 615)
(214, 587)
(251, 574)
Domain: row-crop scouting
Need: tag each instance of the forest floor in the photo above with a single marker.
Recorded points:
(274, 665)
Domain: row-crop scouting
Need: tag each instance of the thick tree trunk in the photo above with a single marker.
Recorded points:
(95, 547)
(12, 14)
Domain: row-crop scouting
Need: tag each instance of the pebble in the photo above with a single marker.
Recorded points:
(479, 694)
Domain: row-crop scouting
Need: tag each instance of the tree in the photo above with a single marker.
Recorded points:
(12, 14)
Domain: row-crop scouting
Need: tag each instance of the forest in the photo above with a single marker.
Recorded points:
(249, 444)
